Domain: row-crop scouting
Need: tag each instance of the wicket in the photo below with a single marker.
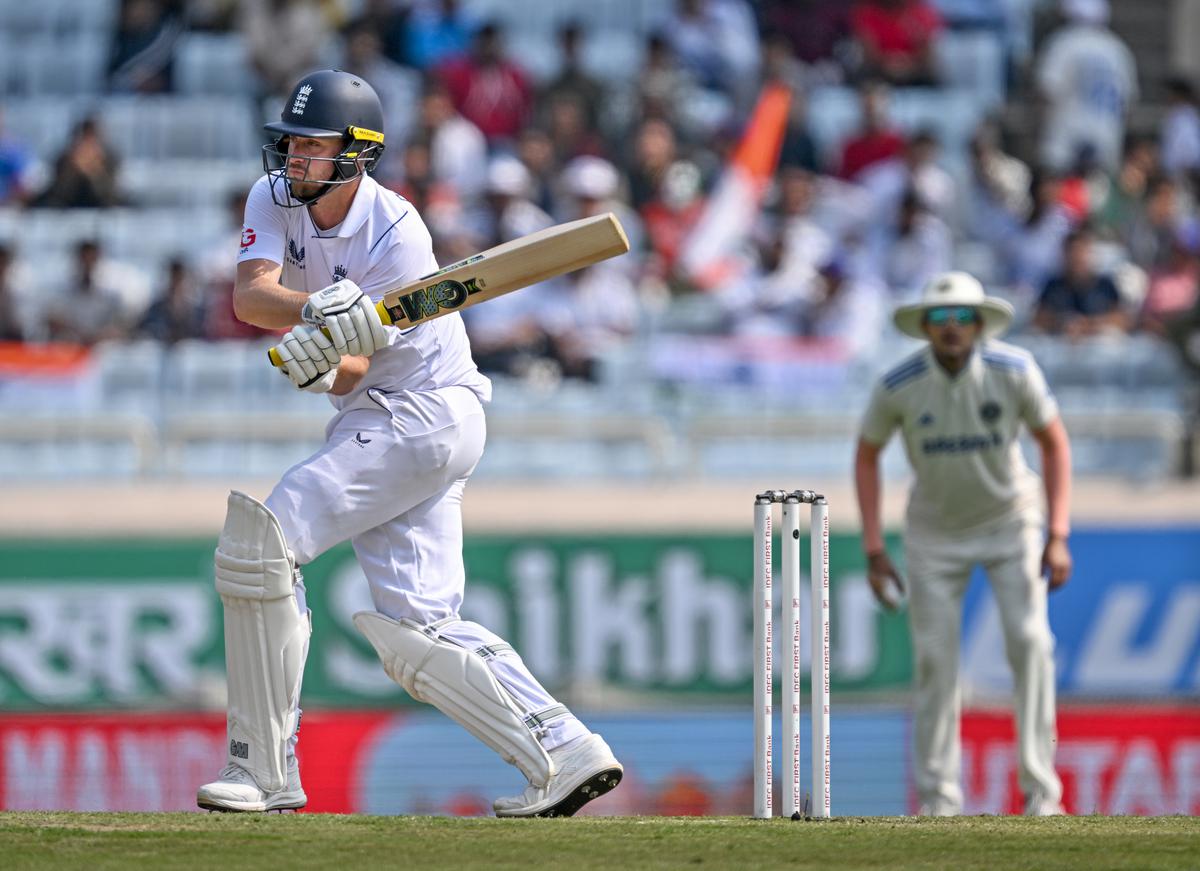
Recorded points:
(793, 805)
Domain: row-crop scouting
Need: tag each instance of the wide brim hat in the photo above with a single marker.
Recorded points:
(954, 289)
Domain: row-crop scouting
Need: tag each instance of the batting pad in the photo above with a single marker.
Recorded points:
(266, 639)
(458, 683)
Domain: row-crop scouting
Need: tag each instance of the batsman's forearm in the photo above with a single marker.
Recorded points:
(867, 488)
(350, 371)
(1056, 471)
(268, 304)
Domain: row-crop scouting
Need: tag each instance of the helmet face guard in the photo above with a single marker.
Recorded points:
(359, 155)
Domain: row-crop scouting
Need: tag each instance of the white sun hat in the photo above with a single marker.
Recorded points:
(954, 289)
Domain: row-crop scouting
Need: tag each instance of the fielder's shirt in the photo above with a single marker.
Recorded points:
(961, 434)
(381, 244)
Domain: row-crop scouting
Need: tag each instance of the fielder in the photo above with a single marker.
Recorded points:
(959, 403)
(321, 240)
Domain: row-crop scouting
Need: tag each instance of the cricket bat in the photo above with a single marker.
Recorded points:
(500, 270)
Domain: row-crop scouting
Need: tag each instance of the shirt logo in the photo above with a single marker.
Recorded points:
(990, 410)
(301, 99)
(358, 437)
(295, 255)
(339, 272)
(248, 238)
(925, 419)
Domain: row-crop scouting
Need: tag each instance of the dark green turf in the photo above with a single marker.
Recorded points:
(231, 842)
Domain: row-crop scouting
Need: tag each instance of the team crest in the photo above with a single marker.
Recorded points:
(295, 255)
(925, 419)
(339, 272)
(990, 411)
(301, 100)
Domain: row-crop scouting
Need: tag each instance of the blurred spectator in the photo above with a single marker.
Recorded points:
(1153, 230)
(457, 148)
(597, 312)
(915, 169)
(876, 140)
(284, 40)
(90, 309)
(999, 195)
(535, 149)
(799, 148)
(671, 214)
(1080, 301)
(399, 88)
(12, 326)
(654, 151)
(567, 124)
(85, 173)
(1088, 78)
(489, 90)
(665, 89)
(215, 266)
(438, 201)
(1174, 288)
(438, 30)
(1115, 215)
(920, 248)
(388, 20)
(896, 38)
(817, 31)
(594, 185)
(1180, 130)
(572, 80)
(1033, 252)
(843, 308)
(143, 47)
(17, 166)
(178, 313)
(717, 41)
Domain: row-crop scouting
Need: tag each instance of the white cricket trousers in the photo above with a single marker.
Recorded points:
(939, 568)
(390, 479)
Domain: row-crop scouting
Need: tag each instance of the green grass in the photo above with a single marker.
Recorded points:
(231, 842)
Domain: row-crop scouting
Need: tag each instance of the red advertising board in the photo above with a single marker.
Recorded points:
(154, 762)
(1113, 760)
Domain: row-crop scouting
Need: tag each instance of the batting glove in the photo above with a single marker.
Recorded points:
(349, 315)
(309, 358)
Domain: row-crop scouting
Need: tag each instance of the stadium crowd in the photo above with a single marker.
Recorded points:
(1088, 227)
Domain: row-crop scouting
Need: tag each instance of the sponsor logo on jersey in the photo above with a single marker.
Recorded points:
(963, 444)
(358, 437)
(301, 100)
(248, 237)
(295, 255)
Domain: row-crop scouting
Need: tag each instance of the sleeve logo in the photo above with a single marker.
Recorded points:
(248, 237)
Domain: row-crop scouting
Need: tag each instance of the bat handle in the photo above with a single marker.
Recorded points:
(384, 315)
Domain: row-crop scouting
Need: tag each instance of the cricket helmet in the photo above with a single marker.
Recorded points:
(327, 103)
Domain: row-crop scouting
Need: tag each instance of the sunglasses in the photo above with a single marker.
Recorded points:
(961, 315)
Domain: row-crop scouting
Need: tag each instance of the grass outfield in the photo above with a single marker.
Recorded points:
(35, 840)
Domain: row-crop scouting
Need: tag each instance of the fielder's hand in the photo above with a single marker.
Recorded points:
(309, 359)
(885, 581)
(1056, 561)
(349, 315)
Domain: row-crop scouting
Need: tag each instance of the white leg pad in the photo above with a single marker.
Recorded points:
(458, 683)
(266, 639)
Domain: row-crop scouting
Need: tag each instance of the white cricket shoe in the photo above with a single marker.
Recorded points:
(938, 808)
(584, 771)
(236, 790)
(1036, 806)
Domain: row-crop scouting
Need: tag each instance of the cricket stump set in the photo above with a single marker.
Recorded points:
(793, 803)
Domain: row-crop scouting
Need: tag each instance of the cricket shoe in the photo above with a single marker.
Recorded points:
(583, 770)
(1036, 806)
(236, 790)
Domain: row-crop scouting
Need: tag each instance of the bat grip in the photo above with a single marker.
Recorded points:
(384, 316)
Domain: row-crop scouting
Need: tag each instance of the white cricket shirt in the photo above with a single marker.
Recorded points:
(961, 432)
(381, 244)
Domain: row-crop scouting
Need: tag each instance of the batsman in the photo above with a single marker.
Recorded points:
(321, 241)
(960, 403)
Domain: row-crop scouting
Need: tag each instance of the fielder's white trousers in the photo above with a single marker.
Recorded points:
(390, 479)
(939, 567)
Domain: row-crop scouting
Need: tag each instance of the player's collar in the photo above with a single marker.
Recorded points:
(360, 208)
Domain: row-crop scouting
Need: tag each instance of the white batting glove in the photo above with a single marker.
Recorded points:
(308, 357)
(350, 317)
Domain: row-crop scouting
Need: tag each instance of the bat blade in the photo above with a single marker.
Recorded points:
(507, 267)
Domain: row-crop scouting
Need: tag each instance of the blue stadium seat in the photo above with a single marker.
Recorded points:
(212, 63)
(973, 61)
